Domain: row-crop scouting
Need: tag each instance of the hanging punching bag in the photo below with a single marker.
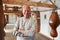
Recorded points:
(54, 22)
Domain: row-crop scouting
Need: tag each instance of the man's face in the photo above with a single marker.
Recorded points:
(26, 11)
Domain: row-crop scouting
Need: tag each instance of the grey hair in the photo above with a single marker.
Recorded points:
(25, 6)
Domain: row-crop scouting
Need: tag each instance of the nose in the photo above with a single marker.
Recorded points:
(27, 12)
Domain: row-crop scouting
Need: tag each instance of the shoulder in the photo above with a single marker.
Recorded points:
(20, 18)
(33, 19)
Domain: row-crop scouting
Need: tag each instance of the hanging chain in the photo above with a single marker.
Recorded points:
(53, 4)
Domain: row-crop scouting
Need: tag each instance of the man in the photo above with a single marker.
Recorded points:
(25, 26)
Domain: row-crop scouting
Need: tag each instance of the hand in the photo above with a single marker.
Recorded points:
(30, 28)
(21, 30)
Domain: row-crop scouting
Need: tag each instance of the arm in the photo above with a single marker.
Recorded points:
(15, 30)
(31, 31)
(35, 28)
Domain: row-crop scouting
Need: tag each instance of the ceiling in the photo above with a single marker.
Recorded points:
(40, 8)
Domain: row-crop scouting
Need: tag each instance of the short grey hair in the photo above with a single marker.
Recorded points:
(25, 6)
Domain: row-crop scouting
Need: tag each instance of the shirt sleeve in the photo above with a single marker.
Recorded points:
(32, 31)
(15, 30)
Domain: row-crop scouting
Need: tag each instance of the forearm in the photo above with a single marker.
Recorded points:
(15, 32)
(21, 30)
(29, 32)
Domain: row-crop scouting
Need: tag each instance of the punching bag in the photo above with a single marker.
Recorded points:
(54, 22)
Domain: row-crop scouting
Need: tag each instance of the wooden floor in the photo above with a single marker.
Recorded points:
(10, 36)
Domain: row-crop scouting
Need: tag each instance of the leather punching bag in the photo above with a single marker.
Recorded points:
(54, 22)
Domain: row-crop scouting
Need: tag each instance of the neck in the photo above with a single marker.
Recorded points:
(26, 17)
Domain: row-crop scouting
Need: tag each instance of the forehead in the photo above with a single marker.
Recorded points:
(26, 8)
